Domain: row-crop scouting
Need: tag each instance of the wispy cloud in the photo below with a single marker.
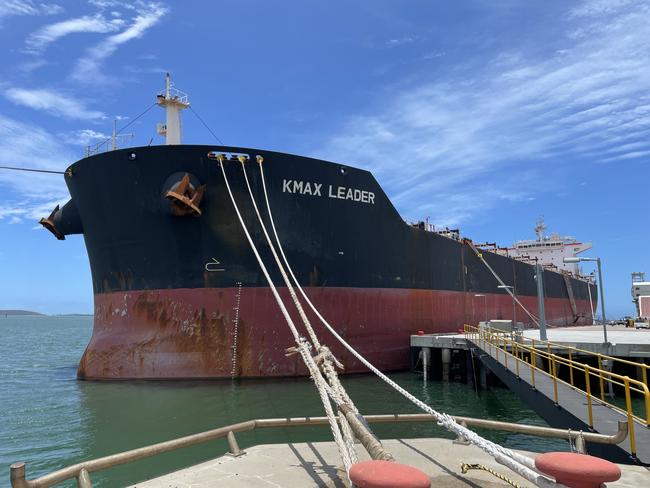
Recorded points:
(88, 68)
(520, 113)
(53, 103)
(39, 40)
(31, 209)
(400, 41)
(10, 8)
(29, 146)
(84, 137)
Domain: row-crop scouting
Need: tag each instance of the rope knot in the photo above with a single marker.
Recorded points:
(325, 354)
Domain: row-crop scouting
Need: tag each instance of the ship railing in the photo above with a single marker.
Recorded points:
(175, 94)
(541, 360)
(82, 471)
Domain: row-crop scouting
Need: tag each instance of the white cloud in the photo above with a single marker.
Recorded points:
(29, 209)
(40, 39)
(10, 8)
(29, 146)
(107, 4)
(84, 137)
(519, 113)
(53, 103)
(88, 67)
(400, 41)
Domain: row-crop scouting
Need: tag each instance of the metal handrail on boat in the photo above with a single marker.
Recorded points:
(81, 471)
(496, 342)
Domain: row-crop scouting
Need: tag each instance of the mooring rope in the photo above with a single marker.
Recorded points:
(522, 465)
(324, 357)
(301, 344)
(465, 467)
(503, 285)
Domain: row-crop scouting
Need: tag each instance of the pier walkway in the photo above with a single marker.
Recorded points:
(568, 393)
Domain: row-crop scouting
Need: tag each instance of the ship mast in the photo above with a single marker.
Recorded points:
(173, 101)
(540, 227)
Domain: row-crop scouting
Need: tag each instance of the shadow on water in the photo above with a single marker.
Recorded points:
(55, 420)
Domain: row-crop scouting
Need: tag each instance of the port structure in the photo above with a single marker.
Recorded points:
(582, 398)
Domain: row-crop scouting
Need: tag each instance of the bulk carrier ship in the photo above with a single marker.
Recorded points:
(178, 292)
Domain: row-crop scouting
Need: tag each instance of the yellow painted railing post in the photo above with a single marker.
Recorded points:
(630, 415)
(532, 366)
(602, 382)
(570, 368)
(516, 346)
(505, 350)
(548, 351)
(588, 388)
(553, 372)
(647, 407)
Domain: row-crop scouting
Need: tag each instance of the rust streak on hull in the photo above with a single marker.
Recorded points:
(189, 333)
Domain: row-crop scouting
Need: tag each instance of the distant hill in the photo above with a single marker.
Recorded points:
(19, 312)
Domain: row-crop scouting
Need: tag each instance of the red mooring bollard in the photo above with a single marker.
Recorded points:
(387, 474)
(577, 470)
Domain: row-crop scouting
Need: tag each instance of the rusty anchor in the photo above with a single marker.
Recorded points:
(48, 223)
(185, 198)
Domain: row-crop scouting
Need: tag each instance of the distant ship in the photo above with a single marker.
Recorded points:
(179, 294)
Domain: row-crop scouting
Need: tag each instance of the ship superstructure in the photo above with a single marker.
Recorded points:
(549, 250)
(641, 294)
(179, 293)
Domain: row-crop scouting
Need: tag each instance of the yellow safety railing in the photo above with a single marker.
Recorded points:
(538, 357)
(572, 351)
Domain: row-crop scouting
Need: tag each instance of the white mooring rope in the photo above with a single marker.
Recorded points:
(479, 255)
(336, 391)
(522, 465)
(301, 343)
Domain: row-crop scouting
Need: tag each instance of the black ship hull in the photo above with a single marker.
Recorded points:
(179, 294)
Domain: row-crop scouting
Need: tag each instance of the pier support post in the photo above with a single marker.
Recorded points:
(470, 377)
(482, 374)
(425, 354)
(446, 363)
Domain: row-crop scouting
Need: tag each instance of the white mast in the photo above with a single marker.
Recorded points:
(540, 227)
(174, 101)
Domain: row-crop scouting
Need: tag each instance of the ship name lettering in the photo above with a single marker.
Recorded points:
(302, 187)
(344, 193)
(338, 192)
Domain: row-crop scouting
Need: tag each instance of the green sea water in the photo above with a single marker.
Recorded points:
(49, 419)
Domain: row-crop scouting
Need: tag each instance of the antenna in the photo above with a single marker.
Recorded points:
(114, 139)
(540, 227)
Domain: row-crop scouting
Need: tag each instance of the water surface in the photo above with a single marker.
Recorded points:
(49, 419)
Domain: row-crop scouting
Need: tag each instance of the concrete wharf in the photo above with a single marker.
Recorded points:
(624, 342)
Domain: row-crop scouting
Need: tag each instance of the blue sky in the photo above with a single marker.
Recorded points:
(475, 113)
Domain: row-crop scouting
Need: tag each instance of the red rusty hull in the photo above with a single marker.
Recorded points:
(240, 332)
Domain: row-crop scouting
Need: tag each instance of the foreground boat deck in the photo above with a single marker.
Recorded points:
(318, 464)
